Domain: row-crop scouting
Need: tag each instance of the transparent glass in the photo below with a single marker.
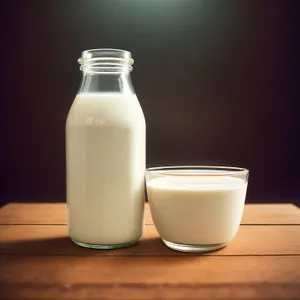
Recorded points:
(196, 208)
(106, 70)
(105, 154)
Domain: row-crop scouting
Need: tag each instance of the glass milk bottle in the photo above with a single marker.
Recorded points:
(105, 154)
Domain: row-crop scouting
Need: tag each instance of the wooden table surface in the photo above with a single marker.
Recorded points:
(39, 261)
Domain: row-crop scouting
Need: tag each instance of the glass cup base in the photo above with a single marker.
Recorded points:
(194, 248)
(103, 247)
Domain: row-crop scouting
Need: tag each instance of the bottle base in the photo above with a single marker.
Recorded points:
(103, 247)
(194, 248)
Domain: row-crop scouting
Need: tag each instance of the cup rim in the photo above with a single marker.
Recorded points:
(220, 170)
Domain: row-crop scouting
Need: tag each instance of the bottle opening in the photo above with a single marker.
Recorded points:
(98, 61)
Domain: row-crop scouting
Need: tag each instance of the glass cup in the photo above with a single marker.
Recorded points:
(196, 208)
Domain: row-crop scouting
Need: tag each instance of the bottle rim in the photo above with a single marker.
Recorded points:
(105, 60)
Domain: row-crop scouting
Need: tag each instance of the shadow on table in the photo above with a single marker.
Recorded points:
(64, 246)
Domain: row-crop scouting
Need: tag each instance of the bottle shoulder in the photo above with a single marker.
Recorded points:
(102, 109)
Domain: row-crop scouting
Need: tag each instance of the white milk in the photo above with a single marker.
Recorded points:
(105, 144)
(199, 210)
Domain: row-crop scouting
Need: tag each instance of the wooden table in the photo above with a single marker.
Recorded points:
(38, 261)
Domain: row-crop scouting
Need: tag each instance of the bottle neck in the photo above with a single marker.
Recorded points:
(106, 70)
(109, 82)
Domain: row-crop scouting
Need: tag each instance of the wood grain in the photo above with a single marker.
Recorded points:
(39, 261)
(67, 277)
(55, 213)
(269, 214)
(140, 291)
(53, 240)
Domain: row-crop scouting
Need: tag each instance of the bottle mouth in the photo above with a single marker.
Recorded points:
(105, 60)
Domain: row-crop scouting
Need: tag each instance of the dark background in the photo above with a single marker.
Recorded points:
(216, 80)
